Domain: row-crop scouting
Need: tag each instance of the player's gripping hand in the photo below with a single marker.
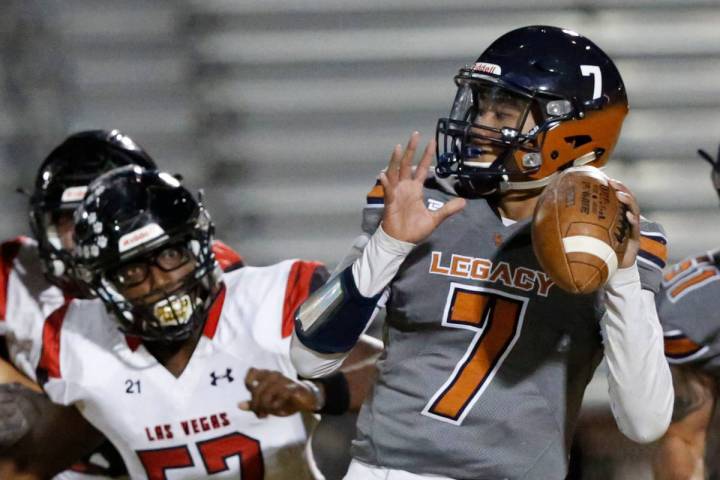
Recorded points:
(272, 393)
(405, 216)
(633, 216)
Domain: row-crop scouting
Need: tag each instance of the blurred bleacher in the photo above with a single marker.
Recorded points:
(284, 111)
(309, 98)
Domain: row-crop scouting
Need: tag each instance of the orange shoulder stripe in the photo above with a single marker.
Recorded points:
(654, 247)
(693, 280)
(680, 346)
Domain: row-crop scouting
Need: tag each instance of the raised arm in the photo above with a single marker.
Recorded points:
(640, 385)
(330, 322)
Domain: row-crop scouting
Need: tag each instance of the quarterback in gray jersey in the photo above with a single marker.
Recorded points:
(689, 310)
(486, 360)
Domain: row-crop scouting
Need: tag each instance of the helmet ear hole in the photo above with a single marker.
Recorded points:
(578, 140)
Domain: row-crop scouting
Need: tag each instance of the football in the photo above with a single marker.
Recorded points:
(579, 230)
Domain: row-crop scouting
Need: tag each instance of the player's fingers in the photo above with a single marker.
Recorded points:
(408, 156)
(244, 405)
(388, 189)
(393, 169)
(258, 392)
(251, 379)
(423, 167)
(275, 398)
(633, 211)
(254, 378)
(626, 197)
(450, 208)
(629, 199)
(620, 187)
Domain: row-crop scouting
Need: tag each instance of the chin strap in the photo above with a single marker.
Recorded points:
(542, 182)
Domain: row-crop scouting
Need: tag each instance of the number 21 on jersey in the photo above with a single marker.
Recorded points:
(496, 318)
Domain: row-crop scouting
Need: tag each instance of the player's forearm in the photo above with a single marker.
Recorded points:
(37, 435)
(330, 322)
(640, 384)
(676, 459)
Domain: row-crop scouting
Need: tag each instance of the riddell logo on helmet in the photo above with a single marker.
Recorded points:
(140, 236)
(73, 194)
(487, 68)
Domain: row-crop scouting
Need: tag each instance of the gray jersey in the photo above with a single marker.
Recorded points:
(486, 360)
(689, 310)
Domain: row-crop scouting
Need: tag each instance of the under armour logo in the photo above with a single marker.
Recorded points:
(215, 377)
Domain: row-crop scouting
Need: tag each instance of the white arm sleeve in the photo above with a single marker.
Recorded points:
(379, 263)
(640, 384)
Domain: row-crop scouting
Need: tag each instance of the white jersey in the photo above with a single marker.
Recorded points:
(26, 298)
(187, 427)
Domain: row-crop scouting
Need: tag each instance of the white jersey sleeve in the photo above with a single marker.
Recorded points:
(26, 298)
(273, 329)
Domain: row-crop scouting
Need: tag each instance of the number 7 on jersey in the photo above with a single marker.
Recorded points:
(496, 318)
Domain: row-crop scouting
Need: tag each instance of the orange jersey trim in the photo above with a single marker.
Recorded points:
(694, 280)
(377, 194)
(654, 247)
(680, 346)
(677, 270)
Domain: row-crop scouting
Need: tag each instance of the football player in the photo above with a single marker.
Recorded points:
(36, 273)
(486, 361)
(164, 387)
(689, 310)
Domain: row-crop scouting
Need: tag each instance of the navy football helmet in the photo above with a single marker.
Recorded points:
(131, 219)
(61, 183)
(538, 100)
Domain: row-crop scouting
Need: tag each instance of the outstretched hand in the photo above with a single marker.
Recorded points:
(405, 216)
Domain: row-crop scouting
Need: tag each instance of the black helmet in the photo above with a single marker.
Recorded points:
(61, 183)
(715, 163)
(558, 101)
(128, 215)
